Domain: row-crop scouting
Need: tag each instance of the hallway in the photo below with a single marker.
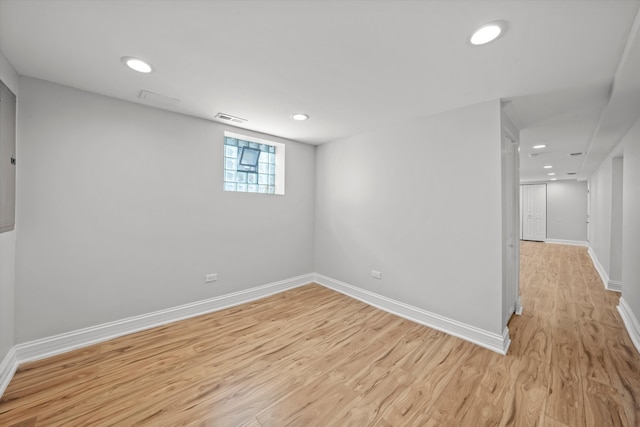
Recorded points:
(571, 323)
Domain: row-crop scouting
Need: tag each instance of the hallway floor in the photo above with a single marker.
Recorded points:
(571, 323)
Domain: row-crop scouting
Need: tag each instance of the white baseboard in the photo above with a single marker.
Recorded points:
(518, 309)
(57, 344)
(8, 367)
(614, 285)
(630, 322)
(599, 268)
(567, 242)
(496, 342)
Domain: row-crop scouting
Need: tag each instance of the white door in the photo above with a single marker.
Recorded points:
(534, 212)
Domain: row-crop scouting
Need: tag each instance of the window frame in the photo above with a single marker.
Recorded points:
(279, 161)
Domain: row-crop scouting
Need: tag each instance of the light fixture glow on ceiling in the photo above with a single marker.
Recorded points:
(539, 146)
(551, 173)
(547, 166)
(137, 64)
(553, 179)
(300, 116)
(488, 33)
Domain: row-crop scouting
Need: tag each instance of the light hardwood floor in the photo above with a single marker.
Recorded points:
(313, 357)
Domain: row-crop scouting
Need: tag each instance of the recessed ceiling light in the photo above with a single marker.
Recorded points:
(300, 116)
(137, 64)
(551, 173)
(488, 33)
(553, 179)
(547, 166)
(539, 146)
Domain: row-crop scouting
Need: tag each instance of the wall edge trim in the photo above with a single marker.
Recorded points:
(568, 242)
(8, 368)
(68, 341)
(630, 322)
(61, 343)
(599, 268)
(614, 285)
(496, 342)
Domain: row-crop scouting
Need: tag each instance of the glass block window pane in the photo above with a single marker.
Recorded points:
(231, 151)
(250, 176)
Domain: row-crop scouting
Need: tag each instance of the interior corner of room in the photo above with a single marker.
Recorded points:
(120, 210)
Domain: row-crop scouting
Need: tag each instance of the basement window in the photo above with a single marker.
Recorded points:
(253, 165)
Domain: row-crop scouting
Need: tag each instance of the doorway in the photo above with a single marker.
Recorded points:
(534, 212)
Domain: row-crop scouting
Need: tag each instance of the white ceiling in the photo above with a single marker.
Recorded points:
(351, 65)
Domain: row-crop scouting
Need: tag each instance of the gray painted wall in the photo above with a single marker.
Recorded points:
(567, 210)
(631, 220)
(600, 185)
(7, 247)
(420, 203)
(122, 212)
(615, 272)
(603, 226)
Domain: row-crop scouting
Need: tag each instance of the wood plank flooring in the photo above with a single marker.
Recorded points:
(314, 357)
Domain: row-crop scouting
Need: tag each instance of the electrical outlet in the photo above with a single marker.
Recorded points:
(211, 278)
(376, 274)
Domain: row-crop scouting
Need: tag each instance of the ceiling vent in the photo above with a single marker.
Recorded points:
(575, 154)
(572, 173)
(229, 118)
(537, 154)
(156, 98)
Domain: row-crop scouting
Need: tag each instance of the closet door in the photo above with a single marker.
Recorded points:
(534, 212)
(7, 158)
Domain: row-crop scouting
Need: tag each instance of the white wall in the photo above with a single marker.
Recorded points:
(602, 226)
(615, 272)
(7, 246)
(7, 291)
(567, 210)
(631, 221)
(600, 185)
(422, 204)
(122, 212)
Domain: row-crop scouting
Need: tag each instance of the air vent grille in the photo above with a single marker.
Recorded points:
(575, 154)
(229, 118)
(156, 98)
(572, 173)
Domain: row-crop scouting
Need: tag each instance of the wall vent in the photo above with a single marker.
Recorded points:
(229, 118)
